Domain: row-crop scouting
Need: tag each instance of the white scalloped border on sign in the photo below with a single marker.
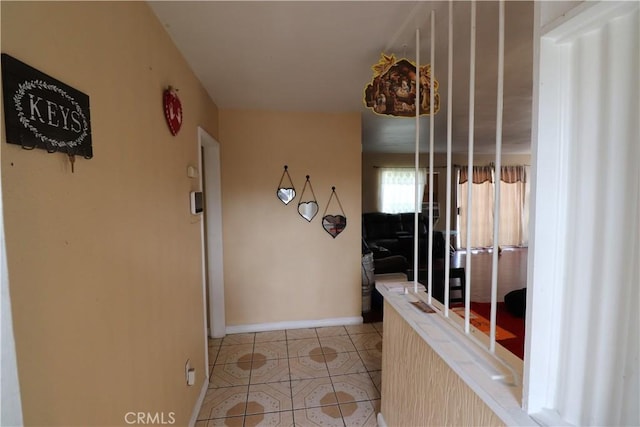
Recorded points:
(39, 84)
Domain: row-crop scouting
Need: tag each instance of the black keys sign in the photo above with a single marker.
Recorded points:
(42, 112)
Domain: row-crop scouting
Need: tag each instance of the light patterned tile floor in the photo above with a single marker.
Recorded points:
(298, 377)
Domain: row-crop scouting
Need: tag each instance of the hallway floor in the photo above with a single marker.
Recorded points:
(301, 377)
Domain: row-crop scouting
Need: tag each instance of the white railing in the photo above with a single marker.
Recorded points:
(443, 309)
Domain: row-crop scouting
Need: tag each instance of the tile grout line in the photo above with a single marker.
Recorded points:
(246, 400)
(287, 341)
(371, 377)
(286, 345)
(367, 369)
(333, 387)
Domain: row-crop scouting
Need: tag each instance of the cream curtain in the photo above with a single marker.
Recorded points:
(514, 206)
(396, 189)
(481, 207)
(480, 174)
(514, 209)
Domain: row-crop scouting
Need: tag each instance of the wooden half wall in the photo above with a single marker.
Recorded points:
(419, 388)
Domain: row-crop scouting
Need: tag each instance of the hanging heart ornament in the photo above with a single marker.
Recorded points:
(308, 210)
(334, 224)
(286, 195)
(172, 110)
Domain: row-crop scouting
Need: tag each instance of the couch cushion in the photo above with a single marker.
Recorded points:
(379, 225)
(408, 220)
(392, 264)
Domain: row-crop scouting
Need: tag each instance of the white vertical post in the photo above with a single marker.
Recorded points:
(582, 288)
(11, 402)
(431, 148)
(417, 166)
(447, 258)
(472, 86)
(496, 206)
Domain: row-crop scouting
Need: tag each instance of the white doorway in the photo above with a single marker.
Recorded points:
(211, 231)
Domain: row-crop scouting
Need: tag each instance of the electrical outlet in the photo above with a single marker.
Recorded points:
(189, 373)
(191, 377)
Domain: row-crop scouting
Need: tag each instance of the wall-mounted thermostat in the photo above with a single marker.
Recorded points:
(196, 202)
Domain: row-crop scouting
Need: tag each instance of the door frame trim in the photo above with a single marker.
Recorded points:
(213, 216)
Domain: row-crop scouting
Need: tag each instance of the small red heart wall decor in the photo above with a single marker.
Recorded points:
(172, 110)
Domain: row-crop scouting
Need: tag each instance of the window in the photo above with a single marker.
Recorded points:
(397, 191)
(514, 206)
(481, 207)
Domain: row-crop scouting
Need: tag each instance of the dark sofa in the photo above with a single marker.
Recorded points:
(393, 234)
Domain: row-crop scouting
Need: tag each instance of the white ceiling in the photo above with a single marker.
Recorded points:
(317, 56)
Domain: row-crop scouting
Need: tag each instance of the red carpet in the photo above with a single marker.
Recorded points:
(506, 321)
(482, 323)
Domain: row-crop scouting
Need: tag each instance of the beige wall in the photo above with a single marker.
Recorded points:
(277, 266)
(370, 162)
(105, 264)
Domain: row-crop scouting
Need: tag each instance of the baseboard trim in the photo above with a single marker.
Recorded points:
(196, 409)
(381, 422)
(295, 324)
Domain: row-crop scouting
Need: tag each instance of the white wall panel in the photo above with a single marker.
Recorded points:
(589, 73)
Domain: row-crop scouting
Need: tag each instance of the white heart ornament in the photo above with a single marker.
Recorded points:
(308, 210)
(286, 195)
